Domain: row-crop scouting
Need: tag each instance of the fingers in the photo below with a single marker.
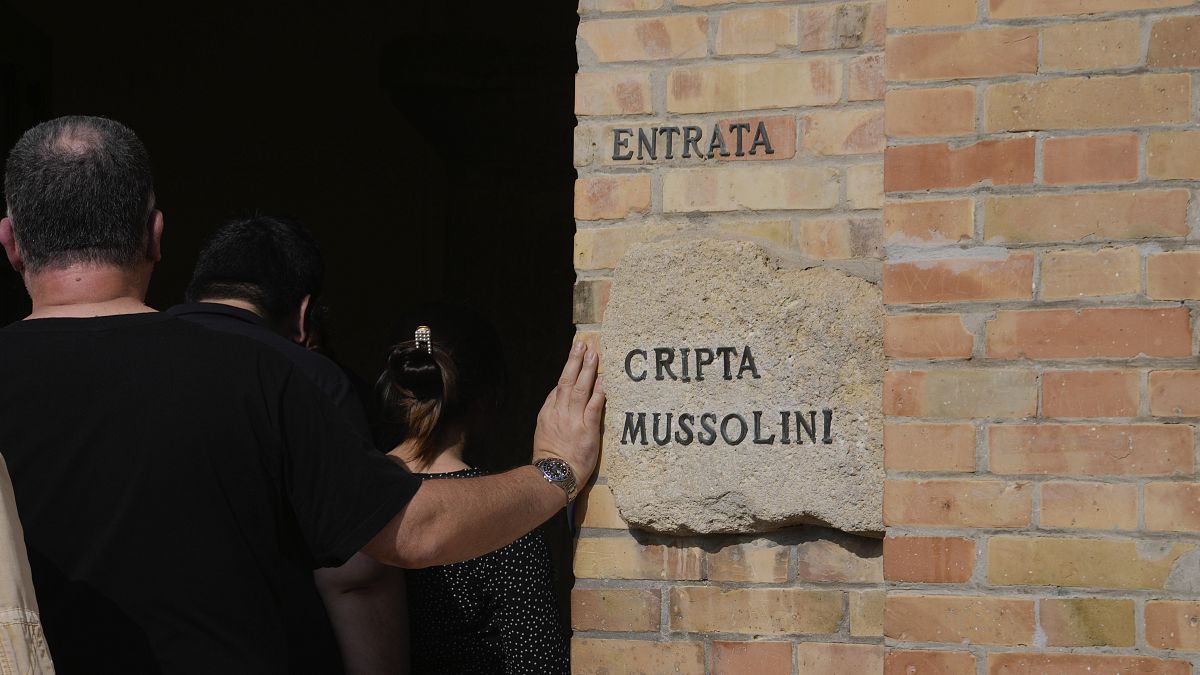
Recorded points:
(582, 391)
(570, 374)
(595, 405)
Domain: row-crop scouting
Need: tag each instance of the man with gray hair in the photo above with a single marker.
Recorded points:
(175, 482)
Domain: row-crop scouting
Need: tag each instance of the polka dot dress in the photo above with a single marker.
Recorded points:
(493, 614)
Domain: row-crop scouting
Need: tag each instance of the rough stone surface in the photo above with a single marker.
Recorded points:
(816, 337)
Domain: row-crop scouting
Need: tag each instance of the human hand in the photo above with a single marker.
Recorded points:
(568, 425)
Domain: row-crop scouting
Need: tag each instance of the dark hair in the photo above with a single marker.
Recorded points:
(423, 394)
(79, 189)
(269, 261)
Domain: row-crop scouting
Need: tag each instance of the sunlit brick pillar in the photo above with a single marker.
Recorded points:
(804, 600)
(1042, 393)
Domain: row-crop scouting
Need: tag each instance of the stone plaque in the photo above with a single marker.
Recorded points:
(743, 396)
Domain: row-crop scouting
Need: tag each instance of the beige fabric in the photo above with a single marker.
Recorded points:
(23, 649)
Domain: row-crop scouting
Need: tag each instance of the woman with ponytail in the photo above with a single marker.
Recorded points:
(496, 613)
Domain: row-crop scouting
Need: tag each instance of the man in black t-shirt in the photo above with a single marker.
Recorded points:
(171, 480)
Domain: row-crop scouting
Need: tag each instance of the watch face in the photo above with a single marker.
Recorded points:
(556, 469)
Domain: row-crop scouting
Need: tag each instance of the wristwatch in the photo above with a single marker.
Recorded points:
(559, 473)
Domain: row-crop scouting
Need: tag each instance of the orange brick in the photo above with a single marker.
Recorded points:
(1082, 664)
(842, 26)
(957, 503)
(1091, 159)
(624, 558)
(960, 280)
(590, 656)
(928, 336)
(914, 113)
(760, 658)
(1093, 506)
(960, 393)
(597, 508)
(1079, 563)
(1087, 102)
(961, 54)
(928, 662)
(1173, 155)
(929, 447)
(623, 93)
(1089, 333)
(958, 619)
(928, 560)
(1173, 624)
(616, 609)
(866, 78)
(757, 31)
(1079, 273)
(761, 611)
(1086, 215)
(1090, 449)
(1174, 42)
(605, 197)
(759, 562)
(749, 188)
(1092, 45)
(590, 299)
(839, 238)
(1173, 507)
(1175, 393)
(850, 560)
(1173, 276)
(866, 613)
(1017, 9)
(940, 221)
(816, 658)
(916, 13)
(843, 132)
(589, 6)
(1090, 393)
(750, 86)
(1087, 622)
(602, 247)
(937, 166)
(670, 37)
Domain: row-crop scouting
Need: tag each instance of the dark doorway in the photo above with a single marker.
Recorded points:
(428, 145)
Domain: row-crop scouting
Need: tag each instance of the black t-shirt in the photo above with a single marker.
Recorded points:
(174, 484)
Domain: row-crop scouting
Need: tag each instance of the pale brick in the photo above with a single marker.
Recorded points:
(1090, 393)
(926, 336)
(749, 188)
(918, 13)
(669, 37)
(590, 656)
(1173, 276)
(1088, 102)
(839, 238)
(1100, 45)
(616, 609)
(1173, 507)
(1086, 215)
(602, 247)
(760, 611)
(1173, 624)
(864, 186)
(853, 131)
(1175, 42)
(597, 508)
(846, 560)
(608, 197)
(771, 231)
(1175, 393)
(759, 658)
(710, 3)
(1082, 664)
(928, 560)
(959, 619)
(1089, 333)
(758, 562)
(750, 86)
(959, 280)
(1090, 449)
(866, 78)
(938, 166)
(849, 25)
(1081, 273)
(757, 31)
(1018, 9)
(945, 111)
(928, 662)
(1090, 159)
(1092, 506)
(816, 658)
(590, 300)
(613, 93)
(941, 221)
(866, 615)
(929, 447)
(1080, 563)
(957, 503)
(590, 6)
(1173, 155)
(960, 393)
(961, 54)
(586, 144)
(624, 558)
(1087, 622)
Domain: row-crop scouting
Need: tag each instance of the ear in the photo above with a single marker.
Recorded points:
(8, 239)
(301, 326)
(154, 251)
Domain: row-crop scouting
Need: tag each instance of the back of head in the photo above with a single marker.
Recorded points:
(80, 190)
(268, 261)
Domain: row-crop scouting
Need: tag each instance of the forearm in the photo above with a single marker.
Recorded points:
(367, 607)
(450, 521)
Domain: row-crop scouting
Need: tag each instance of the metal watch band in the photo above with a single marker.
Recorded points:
(559, 473)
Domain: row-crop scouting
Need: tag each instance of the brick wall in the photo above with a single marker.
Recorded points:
(1042, 395)
(797, 601)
